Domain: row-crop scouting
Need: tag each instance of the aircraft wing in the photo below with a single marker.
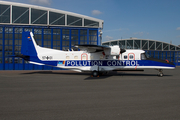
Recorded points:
(92, 48)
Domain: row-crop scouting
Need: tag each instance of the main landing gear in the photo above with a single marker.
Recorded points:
(95, 73)
(98, 73)
(160, 74)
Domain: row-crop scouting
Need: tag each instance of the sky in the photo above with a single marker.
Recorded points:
(145, 19)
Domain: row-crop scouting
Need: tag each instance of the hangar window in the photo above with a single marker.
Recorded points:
(165, 46)
(74, 37)
(38, 16)
(93, 37)
(129, 44)
(137, 44)
(47, 38)
(65, 39)
(56, 18)
(122, 44)
(74, 21)
(172, 47)
(114, 43)
(91, 23)
(38, 36)
(56, 38)
(83, 37)
(158, 46)
(20, 15)
(4, 13)
(144, 44)
(151, 45)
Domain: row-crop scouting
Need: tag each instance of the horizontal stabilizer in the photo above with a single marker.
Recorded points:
(25, 57)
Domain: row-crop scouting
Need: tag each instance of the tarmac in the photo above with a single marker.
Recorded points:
(67, 95)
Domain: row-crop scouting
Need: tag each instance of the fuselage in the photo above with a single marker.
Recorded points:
(107, 59)
(84, 61)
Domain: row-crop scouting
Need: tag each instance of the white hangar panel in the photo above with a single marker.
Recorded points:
(25, 14)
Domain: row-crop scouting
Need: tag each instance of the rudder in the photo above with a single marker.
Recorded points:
(28, 47)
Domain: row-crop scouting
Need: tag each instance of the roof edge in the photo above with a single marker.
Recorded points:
(140, 39)
(49, 9)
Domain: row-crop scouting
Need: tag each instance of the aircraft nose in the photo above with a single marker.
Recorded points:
(168, 62)
(162, 61)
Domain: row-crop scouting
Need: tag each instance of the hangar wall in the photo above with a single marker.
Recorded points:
(55, 38)
(52, 28)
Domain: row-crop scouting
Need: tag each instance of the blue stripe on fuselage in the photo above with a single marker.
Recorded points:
(80, 63)
(83, 63)
(101, 63)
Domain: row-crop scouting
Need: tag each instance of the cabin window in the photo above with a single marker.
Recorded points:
(91, 57)
(125, 57)
(101, 57)
(67, 57)
(84, 57)
(75, 57)
(131, 57)
(143, 56)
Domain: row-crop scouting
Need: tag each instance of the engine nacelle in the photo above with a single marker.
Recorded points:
(115, 50)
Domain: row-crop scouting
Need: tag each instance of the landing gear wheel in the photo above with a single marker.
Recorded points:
(95, 73)
(160, 73)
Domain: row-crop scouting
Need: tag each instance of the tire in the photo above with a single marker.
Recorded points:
(95, 73)
(161, 75)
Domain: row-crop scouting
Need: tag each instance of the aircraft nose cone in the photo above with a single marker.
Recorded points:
(162, 61)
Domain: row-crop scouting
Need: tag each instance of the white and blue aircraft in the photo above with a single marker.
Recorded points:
(95, 58)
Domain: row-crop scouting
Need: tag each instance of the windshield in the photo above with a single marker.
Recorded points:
(147, 54)
(143, 56)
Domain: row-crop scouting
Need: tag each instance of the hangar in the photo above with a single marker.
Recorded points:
(156, 49)
(52, 28)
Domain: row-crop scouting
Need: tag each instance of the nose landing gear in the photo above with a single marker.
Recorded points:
(160, 74)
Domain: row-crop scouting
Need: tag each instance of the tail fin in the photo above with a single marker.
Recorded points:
(29, 45)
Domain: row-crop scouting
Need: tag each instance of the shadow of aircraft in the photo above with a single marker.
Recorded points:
(110, 74)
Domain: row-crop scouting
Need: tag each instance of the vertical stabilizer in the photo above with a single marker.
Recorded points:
(28, 47)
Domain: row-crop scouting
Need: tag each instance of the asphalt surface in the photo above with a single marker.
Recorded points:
(64, 95)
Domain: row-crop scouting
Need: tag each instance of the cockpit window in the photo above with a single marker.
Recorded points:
(143, 56)
(147, 55)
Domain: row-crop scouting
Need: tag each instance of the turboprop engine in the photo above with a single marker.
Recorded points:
(115, 50)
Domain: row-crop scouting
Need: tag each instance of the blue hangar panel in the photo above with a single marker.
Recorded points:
(63, 38)
(52, 28)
